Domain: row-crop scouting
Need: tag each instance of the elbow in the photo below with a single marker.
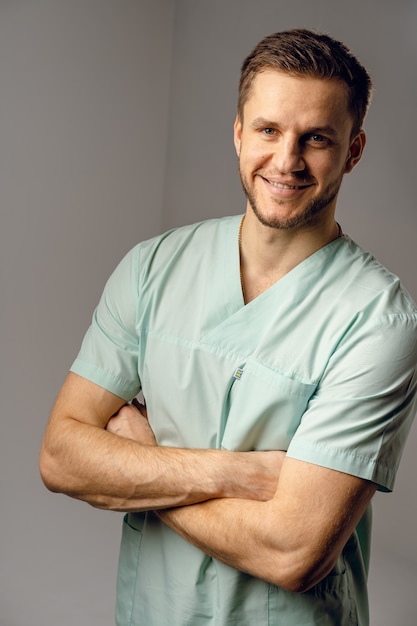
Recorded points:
(49, 471)
(300, 574)
(58, 477)
(47, 475)
(298, 582)
(294, 582)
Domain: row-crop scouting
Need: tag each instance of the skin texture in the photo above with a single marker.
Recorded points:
(293, 153)
(291, 540)
(128, 472)
(277, 518)
(294, 145)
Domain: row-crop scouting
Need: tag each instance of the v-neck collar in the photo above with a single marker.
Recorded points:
(231, 309)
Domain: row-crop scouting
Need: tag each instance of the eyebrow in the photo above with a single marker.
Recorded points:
(261, 122)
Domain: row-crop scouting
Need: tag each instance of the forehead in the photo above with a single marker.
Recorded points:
(304, 100)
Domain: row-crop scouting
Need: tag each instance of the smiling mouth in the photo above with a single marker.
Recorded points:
(279, 185)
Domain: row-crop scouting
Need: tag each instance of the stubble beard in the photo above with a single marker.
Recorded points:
(312, 211)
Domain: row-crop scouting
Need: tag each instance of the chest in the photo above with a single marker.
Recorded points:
(254, 286)
(241, 381)
(217, 373)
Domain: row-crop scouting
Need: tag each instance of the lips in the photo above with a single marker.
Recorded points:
(283, 185)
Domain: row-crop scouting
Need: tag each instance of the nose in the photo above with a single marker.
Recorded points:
(287, 156)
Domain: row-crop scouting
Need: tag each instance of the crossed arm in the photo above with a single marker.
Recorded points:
(82, 459)
(279, 519)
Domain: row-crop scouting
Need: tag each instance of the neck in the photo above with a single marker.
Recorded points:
(267, 254)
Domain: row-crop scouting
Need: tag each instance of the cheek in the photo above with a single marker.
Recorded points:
(329, 168)
(253, 156)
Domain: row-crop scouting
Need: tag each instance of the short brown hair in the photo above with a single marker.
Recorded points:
(308, 53)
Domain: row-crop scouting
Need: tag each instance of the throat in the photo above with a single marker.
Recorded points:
(259, 271)
(255, 281)
(252, 287)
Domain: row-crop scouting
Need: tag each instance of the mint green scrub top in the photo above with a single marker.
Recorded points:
(322, 364)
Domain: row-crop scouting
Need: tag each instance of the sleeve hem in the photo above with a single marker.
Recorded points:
(347, 461)
(123, 389)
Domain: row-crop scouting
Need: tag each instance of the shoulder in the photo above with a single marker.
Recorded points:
(154, 261)
(366, 282)
(178, 245)
(210, 228)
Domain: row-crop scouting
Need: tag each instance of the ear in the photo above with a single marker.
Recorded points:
(355, 151)
(237, 134)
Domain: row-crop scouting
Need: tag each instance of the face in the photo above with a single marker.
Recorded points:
(294, 146)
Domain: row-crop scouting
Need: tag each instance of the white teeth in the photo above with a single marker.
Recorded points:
(282, 186)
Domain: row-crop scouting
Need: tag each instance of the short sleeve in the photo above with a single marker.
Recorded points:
(109, 351)
(360, 415)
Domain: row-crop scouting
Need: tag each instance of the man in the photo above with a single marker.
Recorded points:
(278, 365)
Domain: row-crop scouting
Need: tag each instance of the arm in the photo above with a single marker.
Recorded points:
(80, 458)
(292, 540)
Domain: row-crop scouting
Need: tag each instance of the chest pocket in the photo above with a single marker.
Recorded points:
(264, 408)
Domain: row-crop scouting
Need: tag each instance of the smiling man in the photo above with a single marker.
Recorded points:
(293, 156)
(293, 152)
(278, 364)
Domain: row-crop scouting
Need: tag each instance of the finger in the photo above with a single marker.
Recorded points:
(114, 414)
(110, 426)
(139, 406)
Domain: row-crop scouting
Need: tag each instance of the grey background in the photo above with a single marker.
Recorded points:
(115, 124)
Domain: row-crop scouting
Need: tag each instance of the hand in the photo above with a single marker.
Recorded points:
(254, 476)
(131, 422)
(258, 480)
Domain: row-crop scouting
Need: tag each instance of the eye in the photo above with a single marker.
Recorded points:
(317, 140)
(270, 132)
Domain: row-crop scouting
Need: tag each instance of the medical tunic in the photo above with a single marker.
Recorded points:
(322, 364)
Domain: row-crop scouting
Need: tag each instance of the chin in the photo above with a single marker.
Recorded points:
(283, 220)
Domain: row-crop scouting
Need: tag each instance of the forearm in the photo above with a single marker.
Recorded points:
(108, 471)
(292, 540)
(236, 532)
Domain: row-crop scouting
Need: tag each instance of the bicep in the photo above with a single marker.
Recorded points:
(75, 429)
(321, 508)
(83, 401)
